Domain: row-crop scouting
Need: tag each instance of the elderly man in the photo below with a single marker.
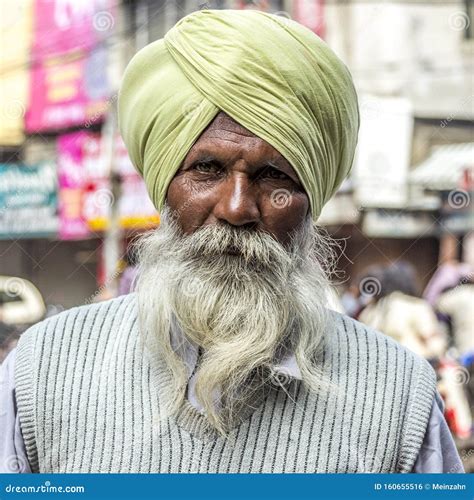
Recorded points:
(226, 359)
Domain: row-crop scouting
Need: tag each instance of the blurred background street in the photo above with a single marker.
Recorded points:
(71, 202)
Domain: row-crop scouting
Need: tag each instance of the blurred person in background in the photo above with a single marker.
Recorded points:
(351, 300)
(455, 304)
(455, 307)
(448, 275)
(396, 310)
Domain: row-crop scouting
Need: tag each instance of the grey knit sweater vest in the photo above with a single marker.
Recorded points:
(88, 398)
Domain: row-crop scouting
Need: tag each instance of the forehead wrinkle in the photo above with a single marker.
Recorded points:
(223, 122)
(223, 133)
(216, 140)
(206, 141)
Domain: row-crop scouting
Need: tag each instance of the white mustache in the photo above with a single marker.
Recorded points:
(236, 246)
(249, 245)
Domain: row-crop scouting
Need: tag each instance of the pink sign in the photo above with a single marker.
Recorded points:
(68, 81)
(78, 165)
(85, 195)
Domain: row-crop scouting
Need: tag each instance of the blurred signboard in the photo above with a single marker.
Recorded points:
(28, 201)
(380, 171)
(398, 224)
(68, 79)
(79, 163)
(15, 35)
(85, 191)
(136, 211)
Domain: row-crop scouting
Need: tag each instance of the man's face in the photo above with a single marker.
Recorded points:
(232, 176)
(235, 265)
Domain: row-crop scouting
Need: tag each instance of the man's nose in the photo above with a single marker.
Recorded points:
(238, 203)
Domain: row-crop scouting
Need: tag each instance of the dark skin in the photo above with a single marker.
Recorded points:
(231, 176)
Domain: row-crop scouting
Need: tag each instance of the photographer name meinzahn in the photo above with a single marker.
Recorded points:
(443, 486)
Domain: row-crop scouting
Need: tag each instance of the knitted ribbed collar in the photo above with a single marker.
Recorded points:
(191, 417)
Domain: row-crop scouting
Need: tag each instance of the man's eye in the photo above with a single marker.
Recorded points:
(273, 173)
(207, 167)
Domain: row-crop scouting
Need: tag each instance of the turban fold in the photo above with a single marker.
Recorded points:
(270, 74)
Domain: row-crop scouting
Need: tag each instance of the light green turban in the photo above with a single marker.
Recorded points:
(270, 74)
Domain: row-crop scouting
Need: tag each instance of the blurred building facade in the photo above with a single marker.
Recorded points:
(412, 62)
(70, 200)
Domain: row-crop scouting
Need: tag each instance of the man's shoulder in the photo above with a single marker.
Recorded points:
(87, 321)
(395, 386)
(344, 329)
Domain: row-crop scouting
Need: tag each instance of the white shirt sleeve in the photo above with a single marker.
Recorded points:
(438, 452)
(12, 448)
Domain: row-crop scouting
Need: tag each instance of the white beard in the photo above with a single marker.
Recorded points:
(246, 309)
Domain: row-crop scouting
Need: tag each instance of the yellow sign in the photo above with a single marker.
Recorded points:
(15, 41)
